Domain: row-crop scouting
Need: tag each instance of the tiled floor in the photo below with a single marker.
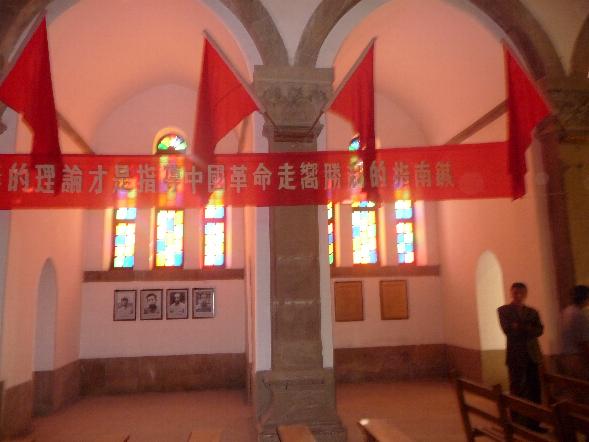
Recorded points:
(425, 411)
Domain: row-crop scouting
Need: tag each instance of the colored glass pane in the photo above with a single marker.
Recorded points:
(364, 243)
(404, 228)
(214, 231)
(171, 143)
(124, 237)
(169, 244)
(331, 232)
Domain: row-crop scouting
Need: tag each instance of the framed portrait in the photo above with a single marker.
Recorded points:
(124, 305)
(393, 300)
(150, 304)
(349, 301)
(176, 303)
(203, 303)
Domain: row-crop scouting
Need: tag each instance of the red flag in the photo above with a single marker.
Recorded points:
(355, 102)
(223, 101)
(526, 108)
(28, 90)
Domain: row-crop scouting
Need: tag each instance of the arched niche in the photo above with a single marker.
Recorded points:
(46, 318)
(490, 294)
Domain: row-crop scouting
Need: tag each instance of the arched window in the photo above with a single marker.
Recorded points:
(364, 224)
(214, 231)
(171, 143)
(124, 238)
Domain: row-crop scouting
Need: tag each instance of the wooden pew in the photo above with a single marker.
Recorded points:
(381, 430)
(295, 433)
(541, 414)
(558, 387)
(205, 435)
(495, 423)
(574, 420)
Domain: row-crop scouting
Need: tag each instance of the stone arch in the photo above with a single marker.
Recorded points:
(511, 16)
(580, 59)
(45, 323)
(255, 18)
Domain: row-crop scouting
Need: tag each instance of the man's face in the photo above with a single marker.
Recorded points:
(518, 295)
(176, 298)
(125, 302)
(151, 300)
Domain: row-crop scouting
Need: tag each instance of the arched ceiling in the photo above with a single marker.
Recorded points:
(436, 61)
(105, 52)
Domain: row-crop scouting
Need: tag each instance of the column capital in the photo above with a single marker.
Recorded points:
(572, 106)
(293, 96)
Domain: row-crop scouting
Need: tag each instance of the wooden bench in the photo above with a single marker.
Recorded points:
(495, 423)
(295, 433)
(382, 430)
(205, 435)
(574, 420)
(530, 410)
(558, 387)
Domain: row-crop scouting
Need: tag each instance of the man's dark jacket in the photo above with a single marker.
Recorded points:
(522, 339)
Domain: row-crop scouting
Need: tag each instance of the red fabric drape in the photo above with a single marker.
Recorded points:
(526, 109)
(28, 90)
(355, 102)
(223, 102)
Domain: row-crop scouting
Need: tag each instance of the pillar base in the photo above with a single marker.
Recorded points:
(297, 397)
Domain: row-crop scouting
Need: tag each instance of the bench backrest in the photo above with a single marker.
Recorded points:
(492, 395)
(556, 386)
(533, 411)
(574, 419)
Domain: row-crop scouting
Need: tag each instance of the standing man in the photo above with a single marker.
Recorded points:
(575, 335)
(522, 327)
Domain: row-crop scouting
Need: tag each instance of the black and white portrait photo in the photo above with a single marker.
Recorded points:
(203, 302)
(124, 305)
(151, 303)
(176, 303)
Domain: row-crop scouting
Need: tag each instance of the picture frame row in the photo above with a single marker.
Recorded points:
(151, 304)
(349, 300)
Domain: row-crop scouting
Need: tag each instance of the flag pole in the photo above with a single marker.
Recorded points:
(342, 84)
(238, 75)
(12, 60)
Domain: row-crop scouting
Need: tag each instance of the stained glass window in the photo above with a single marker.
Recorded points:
(124, 238)
(331, 232)
(171, 143)
(364, 239)
(169, 241)
(214, 231)
(405, 223)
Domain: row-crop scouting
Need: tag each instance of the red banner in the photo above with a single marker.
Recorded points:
(274, 179)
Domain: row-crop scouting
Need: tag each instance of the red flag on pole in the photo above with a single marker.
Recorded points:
(223, 101)
(526, 108)
(28, 90)
(354, 101)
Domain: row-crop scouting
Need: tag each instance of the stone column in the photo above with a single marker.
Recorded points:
(554, 135)
(297, 389)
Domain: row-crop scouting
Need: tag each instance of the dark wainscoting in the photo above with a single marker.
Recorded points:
(17, 410)
(55, 389)
(391, 363)
(162, 373)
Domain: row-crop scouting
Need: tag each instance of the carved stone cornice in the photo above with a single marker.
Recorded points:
(293, 96)
(572, 106)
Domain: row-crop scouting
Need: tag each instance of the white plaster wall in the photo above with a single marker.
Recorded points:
(424, 326)
(46, 318)
(516, 232)
(101, 337)
(34, 237)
